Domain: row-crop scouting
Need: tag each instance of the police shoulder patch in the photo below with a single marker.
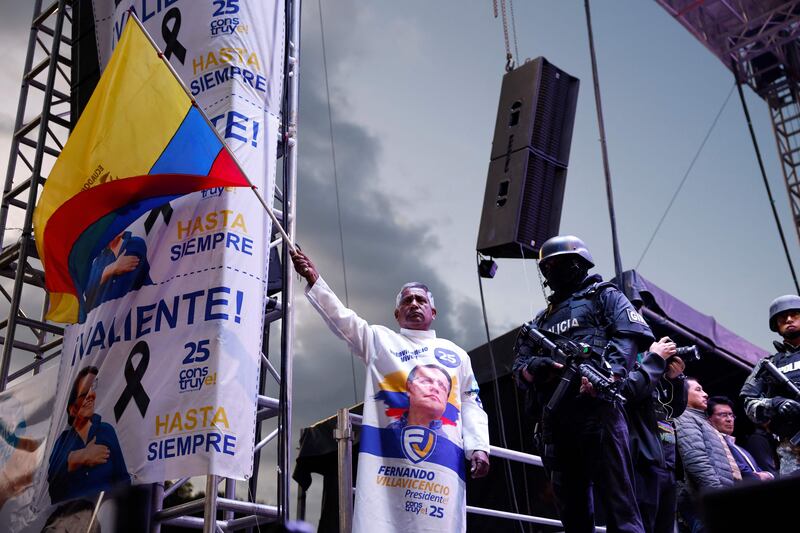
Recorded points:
(633, 316)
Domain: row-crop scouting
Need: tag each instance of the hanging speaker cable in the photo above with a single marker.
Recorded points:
(514, 29)
(527, 280)
(498, 405)
(506, 42)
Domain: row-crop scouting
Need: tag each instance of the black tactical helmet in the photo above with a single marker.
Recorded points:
(564, 245)
(779, 305)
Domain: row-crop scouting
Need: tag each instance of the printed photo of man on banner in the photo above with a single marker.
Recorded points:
(86, 457)
(121, 267)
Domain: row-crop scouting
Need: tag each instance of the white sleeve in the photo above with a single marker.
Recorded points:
(474, 419)
(343, 322)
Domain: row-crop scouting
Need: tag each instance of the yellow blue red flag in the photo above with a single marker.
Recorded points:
(139, 144)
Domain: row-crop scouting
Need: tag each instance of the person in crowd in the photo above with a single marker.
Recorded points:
(656, 394)
(583, 440)
(720, 414)
(86, 458)
(387, 462)
(763, 446)
(706, 458)
(764, 399)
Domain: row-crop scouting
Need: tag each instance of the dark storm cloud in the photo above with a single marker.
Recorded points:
(385, 242)
(385, 246)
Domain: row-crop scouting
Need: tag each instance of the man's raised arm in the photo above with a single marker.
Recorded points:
(344, 322)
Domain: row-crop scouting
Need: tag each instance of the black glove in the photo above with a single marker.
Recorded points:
(786, 408)
(540, 364)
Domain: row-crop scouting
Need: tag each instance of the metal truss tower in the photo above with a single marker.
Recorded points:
(41, 127)
(758, 41)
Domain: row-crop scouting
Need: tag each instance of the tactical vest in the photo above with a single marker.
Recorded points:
(789, 365)
(579, 318)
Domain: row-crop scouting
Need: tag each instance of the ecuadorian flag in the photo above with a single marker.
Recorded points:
(139, 143)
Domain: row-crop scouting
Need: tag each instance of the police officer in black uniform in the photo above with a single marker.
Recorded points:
(764, 399)
(585, 441)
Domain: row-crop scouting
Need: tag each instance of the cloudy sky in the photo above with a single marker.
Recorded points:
(413, 93)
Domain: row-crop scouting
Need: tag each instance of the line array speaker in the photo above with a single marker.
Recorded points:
(530, 153)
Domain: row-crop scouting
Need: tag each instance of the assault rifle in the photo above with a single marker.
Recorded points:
(575, 358)
(781, 379)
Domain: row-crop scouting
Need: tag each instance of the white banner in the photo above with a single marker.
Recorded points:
(229, 55)
(161, 380)
(25, 411)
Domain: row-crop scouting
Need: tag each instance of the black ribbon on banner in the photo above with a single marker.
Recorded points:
(165, 210)
(133, 382)
(170, 35)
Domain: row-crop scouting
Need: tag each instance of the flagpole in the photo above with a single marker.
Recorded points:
(286, 238)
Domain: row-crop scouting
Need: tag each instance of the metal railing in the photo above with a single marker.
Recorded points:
(344, 439)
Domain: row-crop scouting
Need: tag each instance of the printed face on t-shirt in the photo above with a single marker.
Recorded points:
(427, 392)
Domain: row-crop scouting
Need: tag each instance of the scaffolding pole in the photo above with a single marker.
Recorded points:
(38, 134)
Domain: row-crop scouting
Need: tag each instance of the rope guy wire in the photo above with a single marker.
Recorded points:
(336, 186)
(685, 176)
(509, 478)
